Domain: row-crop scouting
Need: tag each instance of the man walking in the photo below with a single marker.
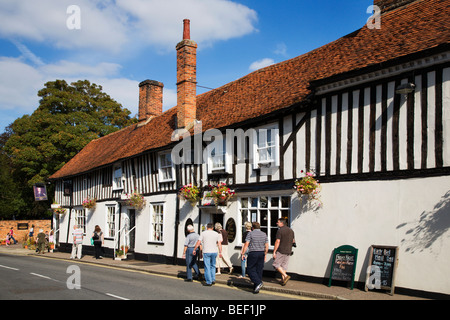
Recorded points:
(210, 241)
(77, 242)
(282, 249)
(188, 254)
(257, 244)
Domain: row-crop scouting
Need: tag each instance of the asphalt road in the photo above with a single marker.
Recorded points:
(31, 278)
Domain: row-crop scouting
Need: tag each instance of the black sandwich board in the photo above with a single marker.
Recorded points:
(344, 264)
(383, 261)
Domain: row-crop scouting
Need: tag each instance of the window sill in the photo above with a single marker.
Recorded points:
(155, 243)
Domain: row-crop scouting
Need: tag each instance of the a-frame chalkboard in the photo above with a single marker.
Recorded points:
(383, 261)
(344, 264)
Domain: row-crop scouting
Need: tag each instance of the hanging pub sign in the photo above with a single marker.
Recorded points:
(40, 192)
(344, 264)
(383, 261)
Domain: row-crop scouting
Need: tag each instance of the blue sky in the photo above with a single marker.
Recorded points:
(120, 43)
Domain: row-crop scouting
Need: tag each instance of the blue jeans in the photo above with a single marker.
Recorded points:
(191, 263)
(255, 266)
(243, 263)
(209, 260)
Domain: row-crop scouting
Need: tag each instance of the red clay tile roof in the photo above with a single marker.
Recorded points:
(419, 26)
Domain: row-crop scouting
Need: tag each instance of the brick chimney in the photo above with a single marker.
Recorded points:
(186, 78)
(150, 99)
(388, 5)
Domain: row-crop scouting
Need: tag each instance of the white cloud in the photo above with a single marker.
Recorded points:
(261, 64)
(115, 26)
(160, 22)
(102, 27)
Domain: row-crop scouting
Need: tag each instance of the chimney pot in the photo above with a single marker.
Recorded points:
(186, 29)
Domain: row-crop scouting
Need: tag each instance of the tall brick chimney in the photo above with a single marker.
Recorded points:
(186, 78)
(387, 5)
(150, 99)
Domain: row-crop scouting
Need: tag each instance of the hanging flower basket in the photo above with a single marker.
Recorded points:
(135, 200)
(309, 187)
(190, 193)
(89, 203)
(59, 210)
(221, 194)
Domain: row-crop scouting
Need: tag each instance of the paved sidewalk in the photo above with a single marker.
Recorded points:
(301, 288)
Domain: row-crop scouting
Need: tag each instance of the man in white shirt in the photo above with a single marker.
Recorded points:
(211, 242)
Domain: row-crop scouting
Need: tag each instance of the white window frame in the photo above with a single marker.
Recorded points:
(253, 213)
(161, 168)
(260, 133)
(80, 218)
(111, 212)
(154, 221)
(117, 181)
(224, 151)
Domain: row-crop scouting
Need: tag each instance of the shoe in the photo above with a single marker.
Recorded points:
(207, 284)
(258, 287)
(231, 271)
(285, 280)
(187, 280)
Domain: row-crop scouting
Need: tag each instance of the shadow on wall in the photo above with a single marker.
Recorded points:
(432, 225)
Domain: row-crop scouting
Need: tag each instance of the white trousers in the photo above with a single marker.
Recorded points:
(225, 260)
(76, 249)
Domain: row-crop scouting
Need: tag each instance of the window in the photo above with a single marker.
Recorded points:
(166, 169)
(117, 177)
(266, 211)
(266, 147)
(157, 222)
(80, 219)
(110, 221)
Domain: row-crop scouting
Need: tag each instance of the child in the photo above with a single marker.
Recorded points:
(7, 239)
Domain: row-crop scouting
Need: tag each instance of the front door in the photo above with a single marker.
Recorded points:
(132, 235)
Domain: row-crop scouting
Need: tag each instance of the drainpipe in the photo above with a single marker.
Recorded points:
(177, 212)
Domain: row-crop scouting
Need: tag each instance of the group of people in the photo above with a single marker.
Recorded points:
(213, 247)
(97, 239)
(43, 239)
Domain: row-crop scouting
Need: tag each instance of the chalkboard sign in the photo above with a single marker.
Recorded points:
(382, 267)
(344, 264)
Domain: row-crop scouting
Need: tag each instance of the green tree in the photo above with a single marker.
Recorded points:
(68, 118)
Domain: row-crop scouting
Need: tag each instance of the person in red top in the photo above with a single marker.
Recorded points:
(11, 235)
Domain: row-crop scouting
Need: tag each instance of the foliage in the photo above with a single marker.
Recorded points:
(135, 200)
(190, 193)
(89, 203)
(222, 193)
(67, 119)
(309, 186)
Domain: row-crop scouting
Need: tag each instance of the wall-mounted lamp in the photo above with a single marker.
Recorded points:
(405, 88)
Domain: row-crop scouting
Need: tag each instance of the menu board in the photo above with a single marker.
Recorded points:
(382, 267)
(343, 264)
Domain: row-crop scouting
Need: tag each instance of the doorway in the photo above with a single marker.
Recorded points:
(132, 224)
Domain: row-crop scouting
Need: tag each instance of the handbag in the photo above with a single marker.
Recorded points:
(92, 241)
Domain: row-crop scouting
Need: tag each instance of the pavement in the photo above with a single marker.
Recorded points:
(300, 288)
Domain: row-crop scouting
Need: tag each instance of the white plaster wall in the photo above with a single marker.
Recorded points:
(413, 214)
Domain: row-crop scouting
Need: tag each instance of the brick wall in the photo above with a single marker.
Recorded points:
(19, 235)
